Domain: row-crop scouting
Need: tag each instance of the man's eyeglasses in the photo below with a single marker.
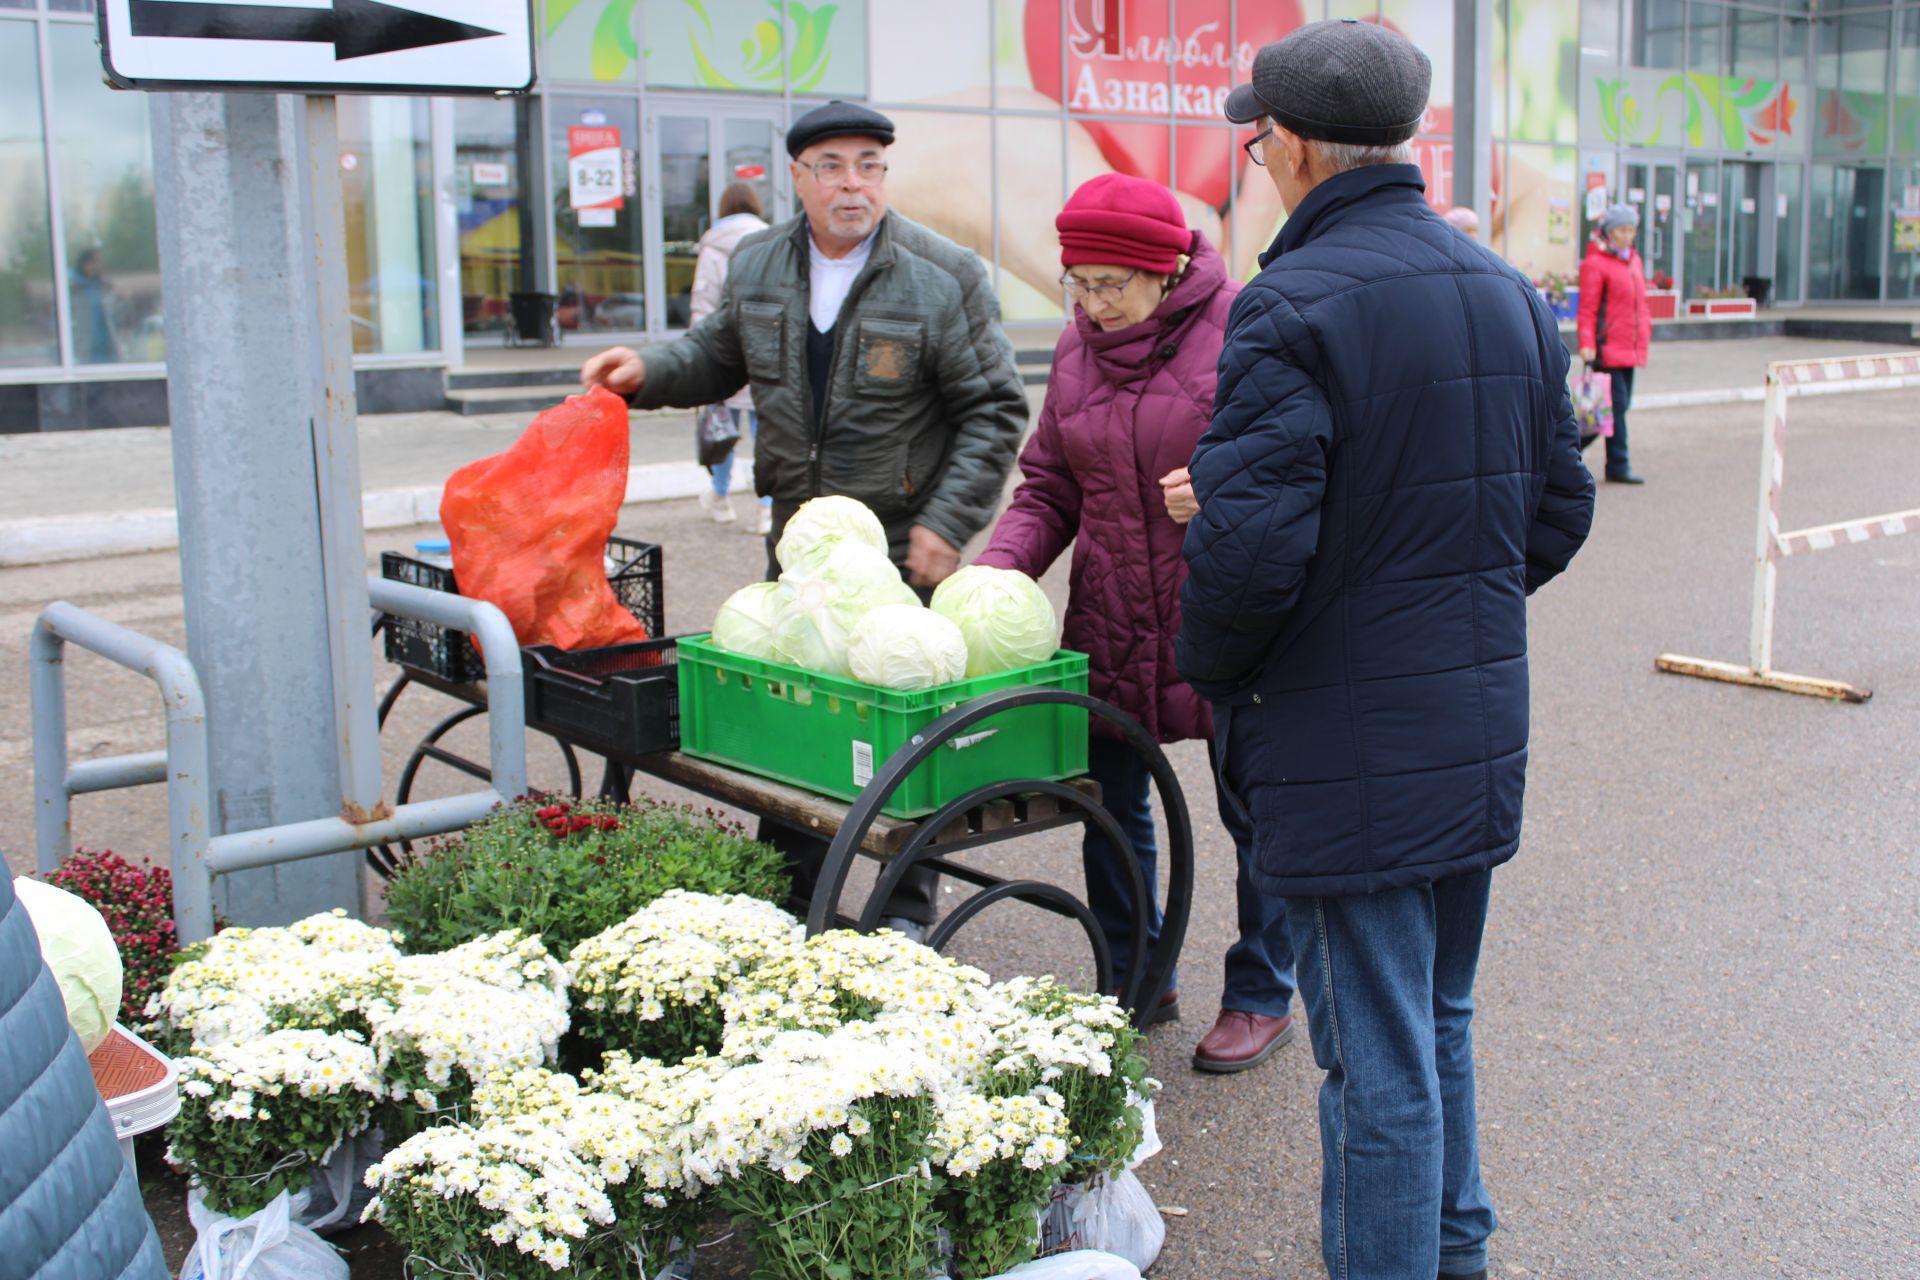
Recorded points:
(1107, 292)
(1252, 146)
(866, 171)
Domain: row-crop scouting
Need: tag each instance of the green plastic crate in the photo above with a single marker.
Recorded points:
(832, 736)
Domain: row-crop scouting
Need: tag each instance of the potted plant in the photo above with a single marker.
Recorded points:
(1663, 300)
(1562, 293)
(1720, 304)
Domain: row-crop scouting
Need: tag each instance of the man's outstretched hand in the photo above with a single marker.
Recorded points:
(618, 369)
(931, 559)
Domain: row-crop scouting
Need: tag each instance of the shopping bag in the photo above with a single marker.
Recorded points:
(339, 1188)
(1593, 405)
(267, 1245)
(529, 527)
(1111, 1214)
(1077, 1264)
(714, 435)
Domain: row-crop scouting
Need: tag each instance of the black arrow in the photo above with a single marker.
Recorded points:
(355, 28)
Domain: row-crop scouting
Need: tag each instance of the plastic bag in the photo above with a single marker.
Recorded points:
(529, 527)
(267, 1245)
(1150, 1145)
(1593, 405)
(1114, 1215)
(714, 435)
(339, 1190)
(1077, 1264)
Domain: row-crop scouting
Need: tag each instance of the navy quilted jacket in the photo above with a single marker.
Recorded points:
(1392, 468)
(69, 1205)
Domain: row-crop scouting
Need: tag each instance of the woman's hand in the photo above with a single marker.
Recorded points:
(1587, 355)
(1178, 488)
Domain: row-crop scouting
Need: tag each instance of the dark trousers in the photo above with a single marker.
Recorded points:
(1617, 462)
(1259, 964)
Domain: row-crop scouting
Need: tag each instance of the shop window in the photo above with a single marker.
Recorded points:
(1543, 51)
(806, 47)
(1031, 187)
(596, 219)
(1754, 42)
(492, 189)
(1659, 27)
(899, 36)
(1706, 37)
(27, 334)
(1850, 76)
(102, 146)
(589, 40)
(386, 177)
(1534, 215)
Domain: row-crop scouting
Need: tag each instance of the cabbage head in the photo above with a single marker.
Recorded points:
(1005, 616)
(905, 646)
(745, 622)
(826, 520)
(80, 950)
(824, 598)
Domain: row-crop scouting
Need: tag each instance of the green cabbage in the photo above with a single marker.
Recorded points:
(745, 622)
(80, 950)
(835, 587)
(1005, 616)
(905, 646)
(825, 521)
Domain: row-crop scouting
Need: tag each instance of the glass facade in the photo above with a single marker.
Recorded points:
(1768, 142)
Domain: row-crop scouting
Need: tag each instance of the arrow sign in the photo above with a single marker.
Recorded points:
(343, 46)
(355, 28)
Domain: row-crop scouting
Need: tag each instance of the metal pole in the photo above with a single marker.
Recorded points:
(240, 250)
(52, 807)
(1766, 552)
(1473, 110)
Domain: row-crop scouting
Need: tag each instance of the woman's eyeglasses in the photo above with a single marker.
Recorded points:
(1106, 292)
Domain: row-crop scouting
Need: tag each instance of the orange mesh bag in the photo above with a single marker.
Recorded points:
(529, 527)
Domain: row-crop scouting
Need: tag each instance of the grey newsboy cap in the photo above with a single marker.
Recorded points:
(838, 120)
(1338, 81)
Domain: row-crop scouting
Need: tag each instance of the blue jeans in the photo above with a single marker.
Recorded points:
(1259, 963)
(1387, 979)
(722, 476)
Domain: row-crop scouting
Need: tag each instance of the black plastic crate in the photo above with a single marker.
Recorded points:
(623, 700)
(637, 579)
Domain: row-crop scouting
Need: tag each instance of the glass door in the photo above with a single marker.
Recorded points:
(492, 185)
(1652, 187)
(1740, 190)
(1700, 218)
(597, 242)
(695, 151)
(1849, 207)
(1789, 208)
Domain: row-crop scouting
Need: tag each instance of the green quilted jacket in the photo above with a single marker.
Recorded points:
(925, 408)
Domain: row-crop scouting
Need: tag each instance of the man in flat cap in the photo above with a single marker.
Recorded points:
(1392, 468)
(878, 365)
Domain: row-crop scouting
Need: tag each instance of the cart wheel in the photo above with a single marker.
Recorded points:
(386, 859)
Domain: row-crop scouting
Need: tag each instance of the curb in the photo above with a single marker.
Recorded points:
(61, 538)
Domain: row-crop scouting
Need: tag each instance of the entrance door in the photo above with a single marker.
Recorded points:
(1849, 221)
(695, 149)
(1657, 183)
(1741, 192)
(493, 194)
(1700, 220)
(596, 228)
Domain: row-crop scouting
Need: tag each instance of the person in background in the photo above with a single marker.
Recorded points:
(879, 369)
(92, 294)
(1616, 325)
(1392, 469)
(1464, 218)
(1129, 395)
(740, 217)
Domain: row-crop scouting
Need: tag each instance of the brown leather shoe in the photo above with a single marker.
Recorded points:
(1240, 1040)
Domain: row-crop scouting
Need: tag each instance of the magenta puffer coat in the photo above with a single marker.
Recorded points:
(1122, 410)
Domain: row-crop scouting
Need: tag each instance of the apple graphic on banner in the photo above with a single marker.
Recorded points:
(1118, 54)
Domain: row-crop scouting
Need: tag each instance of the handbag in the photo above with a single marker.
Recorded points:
(1593, 405)
(714, 435)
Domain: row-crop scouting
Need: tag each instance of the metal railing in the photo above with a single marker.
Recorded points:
(196, 855)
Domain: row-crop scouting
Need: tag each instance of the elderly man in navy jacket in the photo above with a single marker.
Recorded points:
(1392, 468)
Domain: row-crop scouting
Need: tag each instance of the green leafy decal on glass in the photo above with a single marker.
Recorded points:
(768, 49)
(614, 48)
(1738, 112)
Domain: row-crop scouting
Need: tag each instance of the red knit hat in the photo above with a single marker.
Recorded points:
(1126, 221)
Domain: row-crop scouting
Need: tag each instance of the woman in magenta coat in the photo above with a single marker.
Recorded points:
(1129, 395)
(1615, 323)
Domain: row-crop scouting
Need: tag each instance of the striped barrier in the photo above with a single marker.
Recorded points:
(1773, 544)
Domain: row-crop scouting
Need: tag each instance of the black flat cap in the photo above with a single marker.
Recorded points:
(1338, 81)
(838, 120)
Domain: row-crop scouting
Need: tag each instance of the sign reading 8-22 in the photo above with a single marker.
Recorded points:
(320, 46)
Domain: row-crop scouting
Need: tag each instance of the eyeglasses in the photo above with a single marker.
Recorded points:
(1252, 146)
(830, 171)
(1107, 292)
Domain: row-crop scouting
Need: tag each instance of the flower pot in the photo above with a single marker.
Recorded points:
(1721, 308)
(1663, 304)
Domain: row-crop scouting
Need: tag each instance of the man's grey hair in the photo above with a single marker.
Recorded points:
(1338, 157)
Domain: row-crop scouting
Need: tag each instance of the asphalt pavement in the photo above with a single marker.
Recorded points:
(1698, 1040)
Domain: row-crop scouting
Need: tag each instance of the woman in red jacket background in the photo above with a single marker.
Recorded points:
(1615, 325)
